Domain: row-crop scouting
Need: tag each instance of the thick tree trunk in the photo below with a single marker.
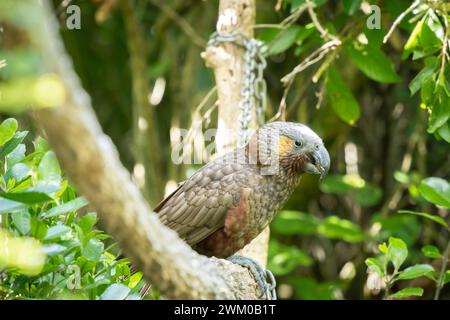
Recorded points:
(91, 161)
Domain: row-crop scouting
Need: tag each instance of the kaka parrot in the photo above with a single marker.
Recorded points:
(229, 201)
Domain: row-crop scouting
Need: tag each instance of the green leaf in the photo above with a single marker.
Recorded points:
(419, 270)
(311, 289)
(439, 112)
(428, 40)
(405, 227)
(434, 218)
(27, 197)
(374, 37)
(295, 4)
(363, 192)
(87, 221)
(431, 252)
(283, 259)
(7, 130)
(383, 248)
(12, 143)
(19, 171)
(134, 280)
(351, 6)
(337, 228)
(413, 40)
(368, 196)
(16, 155)
(38, 228)
(444, 132)
(436, 190)
(7, 206)
(41, 145)
(408, 292)
(56, 232)
(115, 291)
(425, 74)
(341, 98)
(397, 252)
(402, 177)
(339, 184)
(374, 265)
(283, 40)
(295, 222)
(52, 249)
(22, 222)
(70, 206)
(49, 169)
(93, 250)
(372, 62)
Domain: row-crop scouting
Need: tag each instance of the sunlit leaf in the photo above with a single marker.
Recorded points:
(436, 190)
(49, 169)
(408, 292)
(72, 205)
(115, 291)
(12, 143)
(7, 130)
(419, 270)
(93, 250)
(87, 221)
(27, 197)
(337, 228)
(397, 252)
(21, 220)
(56, 232)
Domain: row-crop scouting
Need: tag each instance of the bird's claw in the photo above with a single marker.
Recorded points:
(264, 277)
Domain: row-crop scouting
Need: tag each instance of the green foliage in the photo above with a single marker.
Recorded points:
(363, 192)
(429, 41)
(48, 247)
(372, 62)
(333, 227)
(341, 98)
(284, 259)
(395, 253)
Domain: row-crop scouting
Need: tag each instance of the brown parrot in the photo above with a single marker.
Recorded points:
(229, 201)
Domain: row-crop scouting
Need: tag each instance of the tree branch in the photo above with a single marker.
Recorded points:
(91, 161)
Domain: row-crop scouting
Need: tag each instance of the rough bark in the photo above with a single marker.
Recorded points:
(227, 61)
(91, 161)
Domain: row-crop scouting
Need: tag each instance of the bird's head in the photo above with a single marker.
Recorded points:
(299, 149)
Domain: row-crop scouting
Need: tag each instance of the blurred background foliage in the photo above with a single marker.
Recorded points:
(376, 227)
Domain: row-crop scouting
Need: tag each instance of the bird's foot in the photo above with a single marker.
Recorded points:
(264, 277)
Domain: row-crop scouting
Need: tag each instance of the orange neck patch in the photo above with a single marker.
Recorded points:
(285, 145)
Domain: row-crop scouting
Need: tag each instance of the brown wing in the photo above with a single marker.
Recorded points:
(199, 206)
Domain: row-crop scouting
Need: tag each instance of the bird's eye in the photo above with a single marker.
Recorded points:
(298, 143)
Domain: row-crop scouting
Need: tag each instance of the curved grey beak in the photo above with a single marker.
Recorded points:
(320, 162)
